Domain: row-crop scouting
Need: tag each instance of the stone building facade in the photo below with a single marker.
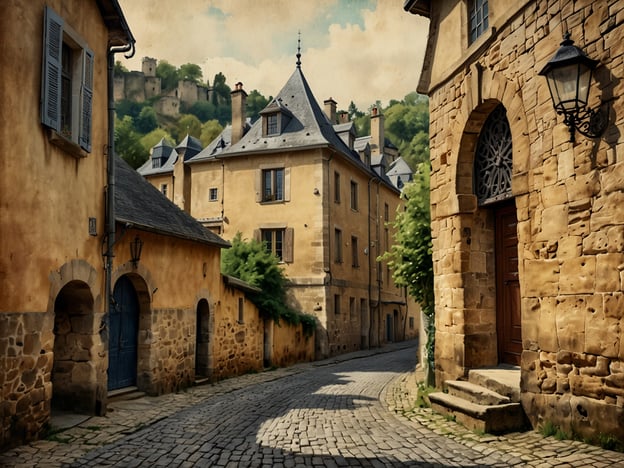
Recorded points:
(106, 285)
(527, 225)
(322, 203)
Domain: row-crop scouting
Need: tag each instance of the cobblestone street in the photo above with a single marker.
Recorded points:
(355, 410)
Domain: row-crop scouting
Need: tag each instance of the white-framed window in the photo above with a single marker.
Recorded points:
(213, 194)
(273, 184)
(478, 18)
(67, 82)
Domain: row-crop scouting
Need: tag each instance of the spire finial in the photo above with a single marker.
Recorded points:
(299, 50)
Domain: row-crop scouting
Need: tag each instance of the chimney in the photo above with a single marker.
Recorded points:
(343, 117)
(330, 110)
(239, 98)
(378, 136)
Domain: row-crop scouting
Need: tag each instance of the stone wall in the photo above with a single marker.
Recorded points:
(238, 345)
(26, 358)
(291, 345)
(568, 198)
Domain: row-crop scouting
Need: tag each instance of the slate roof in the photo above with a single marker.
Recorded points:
(140, 204)
(400, 173)
(308, 125)
(163, 150)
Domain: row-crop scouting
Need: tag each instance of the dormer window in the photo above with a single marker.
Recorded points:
(272, 124)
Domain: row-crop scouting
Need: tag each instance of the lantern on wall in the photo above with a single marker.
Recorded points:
(569, 73)
(136, 246)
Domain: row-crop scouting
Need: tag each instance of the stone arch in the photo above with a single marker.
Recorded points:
(204, 334)
(75, 305)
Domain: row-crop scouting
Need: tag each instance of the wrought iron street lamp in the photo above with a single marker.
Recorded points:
(136, 246)
(569, 74)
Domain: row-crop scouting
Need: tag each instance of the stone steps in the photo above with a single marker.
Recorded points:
(123, 394)
(487, 402)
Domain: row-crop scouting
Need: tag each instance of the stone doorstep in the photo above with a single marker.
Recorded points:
(126, 393)
(503, 379)
(492, 419)
(475, 393)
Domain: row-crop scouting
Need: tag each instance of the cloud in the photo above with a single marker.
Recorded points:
(350, 49)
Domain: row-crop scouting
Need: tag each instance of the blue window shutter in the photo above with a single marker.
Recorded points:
(87, 101)
(51, 73)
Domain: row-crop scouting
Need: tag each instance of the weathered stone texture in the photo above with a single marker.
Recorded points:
(569, 198)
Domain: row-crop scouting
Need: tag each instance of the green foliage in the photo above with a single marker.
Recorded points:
(255, 103)
(127, 107)
(203, 110)
(251, 262)
(187, 125)
(168, 75)
(119, 69)
(410, 255)
(190, 72)
(407, 126)
(209, 131)
(146, 121)
(128, 144)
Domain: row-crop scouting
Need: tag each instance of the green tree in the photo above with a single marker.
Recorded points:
(251, 262)
(127, 107)
(203, 110)
(209, 131)
(119, 69)
(190, 72)
(146, 121)
(187, 125)
(168, 75)
(128, 144)
(410, 255)
(255, 103)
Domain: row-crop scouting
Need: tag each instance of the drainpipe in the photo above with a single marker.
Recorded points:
(110, 175)
(371, 262)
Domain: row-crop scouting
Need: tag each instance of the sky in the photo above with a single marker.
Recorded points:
(351, 50)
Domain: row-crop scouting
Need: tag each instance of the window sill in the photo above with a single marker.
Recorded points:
(66, 144)
(271, 202)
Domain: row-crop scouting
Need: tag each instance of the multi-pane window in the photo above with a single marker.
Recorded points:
(67, 82)
(272, 124)
(213, 194)
(273, 184)
(354, 196)
(337, 187)
(337, 245)
(478, 14)
(274, 241)
(355, 261)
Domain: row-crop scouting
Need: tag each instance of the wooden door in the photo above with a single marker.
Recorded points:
(123, 335)
(508, 315)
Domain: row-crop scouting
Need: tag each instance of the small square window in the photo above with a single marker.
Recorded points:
(213, 194)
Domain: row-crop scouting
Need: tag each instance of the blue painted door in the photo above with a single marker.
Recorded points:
(123, 336)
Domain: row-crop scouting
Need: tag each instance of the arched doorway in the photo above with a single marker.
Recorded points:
(123, 335)
(202, 340)
(492, 186)
(73, 370)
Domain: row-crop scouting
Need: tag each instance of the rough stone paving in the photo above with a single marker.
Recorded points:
(356, 410)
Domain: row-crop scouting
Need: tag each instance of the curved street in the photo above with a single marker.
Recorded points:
(328, 416)
(352, 410)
